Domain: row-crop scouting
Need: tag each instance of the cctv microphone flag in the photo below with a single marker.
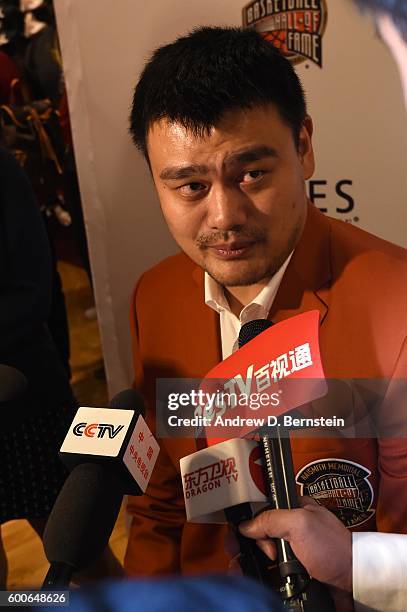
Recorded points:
(222, 476)
(114, 436)
(111, 452)
(282, 365)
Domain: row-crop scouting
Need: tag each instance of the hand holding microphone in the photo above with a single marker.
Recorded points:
(298, 590)
(319, 540)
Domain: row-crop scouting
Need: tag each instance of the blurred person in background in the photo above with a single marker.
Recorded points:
(34, 125)
(44, 73)
(30, 130)
(33, 426)
(193, 594)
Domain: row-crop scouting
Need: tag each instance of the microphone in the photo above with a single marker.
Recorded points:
(81, 521)
(288, 350)
(12, 383)
(117, 436)
(251, 329)
(224, 484)
(298, 590)
(111, 453)
(220, 476)
(285, 353)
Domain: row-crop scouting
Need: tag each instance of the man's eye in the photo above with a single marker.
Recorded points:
(191, 188)
(251, 176)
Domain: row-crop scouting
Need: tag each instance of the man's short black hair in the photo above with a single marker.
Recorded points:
(195, 80)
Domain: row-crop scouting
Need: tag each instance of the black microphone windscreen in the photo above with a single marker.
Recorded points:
(12, 383)
(83, 517)
(251, 329)
(129, 399)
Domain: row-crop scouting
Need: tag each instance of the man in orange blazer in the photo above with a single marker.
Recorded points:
(221, 117)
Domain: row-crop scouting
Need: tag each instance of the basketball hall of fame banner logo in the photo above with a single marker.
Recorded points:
(295, 27)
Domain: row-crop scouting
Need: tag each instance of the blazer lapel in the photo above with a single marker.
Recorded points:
(305, 285)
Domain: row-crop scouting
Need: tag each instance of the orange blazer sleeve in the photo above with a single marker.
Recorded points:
(158, 516)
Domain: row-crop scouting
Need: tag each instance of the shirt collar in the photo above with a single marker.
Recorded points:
(258, 308)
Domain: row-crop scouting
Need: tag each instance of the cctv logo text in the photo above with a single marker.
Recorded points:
(98, 430)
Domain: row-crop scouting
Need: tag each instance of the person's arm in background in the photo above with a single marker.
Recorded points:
(376, 575)
(379, 571)
(25, 260)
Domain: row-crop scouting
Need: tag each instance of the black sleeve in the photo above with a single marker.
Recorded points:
(25, 259)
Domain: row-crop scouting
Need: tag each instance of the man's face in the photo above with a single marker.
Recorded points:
(234, 199)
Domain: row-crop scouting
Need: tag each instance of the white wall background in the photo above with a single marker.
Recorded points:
(355, 100)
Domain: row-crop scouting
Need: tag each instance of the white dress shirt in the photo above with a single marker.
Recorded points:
(259, 308)
(379, 571)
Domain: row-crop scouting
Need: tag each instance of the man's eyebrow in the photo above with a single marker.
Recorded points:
(173, 173)
(250, 155)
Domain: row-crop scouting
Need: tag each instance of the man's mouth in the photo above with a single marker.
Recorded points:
(231, 250)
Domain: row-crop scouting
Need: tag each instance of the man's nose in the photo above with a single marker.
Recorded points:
(226, 209)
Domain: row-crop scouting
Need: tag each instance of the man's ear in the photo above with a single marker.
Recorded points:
(305, 150)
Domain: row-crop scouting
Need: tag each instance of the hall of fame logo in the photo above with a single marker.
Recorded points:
(341, 486)
(295, 27)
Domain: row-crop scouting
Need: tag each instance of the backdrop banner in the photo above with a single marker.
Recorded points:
(354, 96)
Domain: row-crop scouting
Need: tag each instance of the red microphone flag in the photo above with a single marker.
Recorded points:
(277, 371)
